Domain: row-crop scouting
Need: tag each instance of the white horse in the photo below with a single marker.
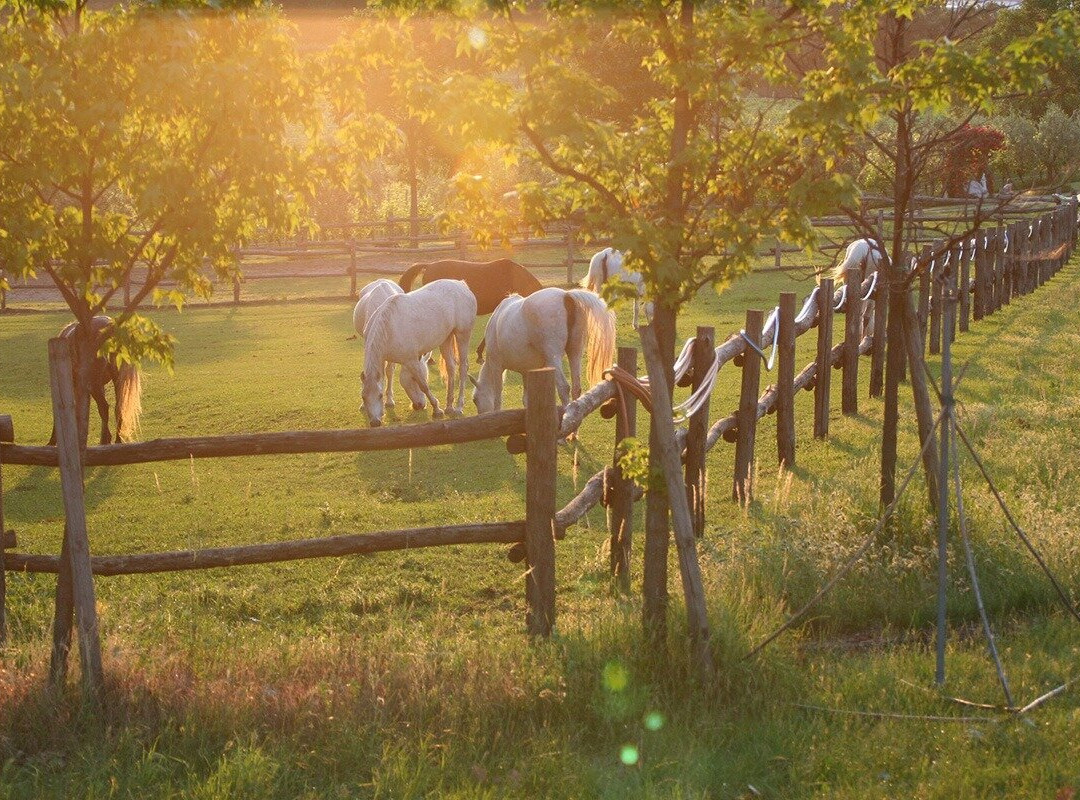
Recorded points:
(533, 332)
(405, 327)
(867, 255)
(371, 297)
(608, 265)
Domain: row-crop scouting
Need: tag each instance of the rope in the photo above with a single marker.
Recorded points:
(634, 385)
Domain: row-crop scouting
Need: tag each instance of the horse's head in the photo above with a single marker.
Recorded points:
(371, 392)
(487, 391)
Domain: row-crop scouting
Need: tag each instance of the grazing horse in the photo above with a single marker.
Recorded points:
(405, 327)
(536, 331)
(608, 265)
(866, 254)
(489, 281)
(371, 297)
(127, 386)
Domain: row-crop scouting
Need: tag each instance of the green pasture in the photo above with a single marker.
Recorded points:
(408, 674)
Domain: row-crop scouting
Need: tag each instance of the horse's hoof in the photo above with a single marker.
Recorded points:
(455, 412)
(375, 423)
(417, 406)
(437, 414)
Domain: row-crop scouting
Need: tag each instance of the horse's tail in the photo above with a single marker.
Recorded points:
(358, 317)
(128, 401)
(601, 329)
(409, 275)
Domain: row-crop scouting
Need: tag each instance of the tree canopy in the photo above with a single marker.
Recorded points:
(142, 148)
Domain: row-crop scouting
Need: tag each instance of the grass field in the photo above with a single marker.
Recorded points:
(409, 675)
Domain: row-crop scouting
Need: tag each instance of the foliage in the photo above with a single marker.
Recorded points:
(127, 163)
(968, 156)
(1041, 152)
(680, 169)
(382, 81)
(1062, 80)
(900, 81)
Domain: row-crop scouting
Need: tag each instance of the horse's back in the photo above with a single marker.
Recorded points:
(490, 281)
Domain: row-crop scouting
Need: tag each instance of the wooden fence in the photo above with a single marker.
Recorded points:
(986, 271)
(344, 251)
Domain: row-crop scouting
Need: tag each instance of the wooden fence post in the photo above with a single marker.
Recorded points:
(785, 381)
(880, 300)
(353, 294)
(621, 502)
(979, 266)
(849, 395)
(955, 257)
(823, 375)
(541, 462)
(923, 311)
(6, 435)
(965, 283)
(935, 300)
(1002, 259)
(76, 548)
(743, 489)
(698, 430)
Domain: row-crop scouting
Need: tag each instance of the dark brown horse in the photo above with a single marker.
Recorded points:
(490, 281)
(124, 378)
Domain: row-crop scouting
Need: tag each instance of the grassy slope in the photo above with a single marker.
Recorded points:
(407, 674)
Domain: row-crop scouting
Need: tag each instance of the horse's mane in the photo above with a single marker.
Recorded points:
(375, 331)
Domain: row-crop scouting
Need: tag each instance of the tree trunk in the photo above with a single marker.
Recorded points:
(657, 530)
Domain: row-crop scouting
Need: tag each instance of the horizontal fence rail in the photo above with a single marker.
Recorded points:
(271, 552)
(348, 440)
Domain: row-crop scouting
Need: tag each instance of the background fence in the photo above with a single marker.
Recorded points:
(330, 265)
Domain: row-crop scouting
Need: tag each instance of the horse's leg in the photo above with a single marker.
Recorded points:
(463, 368)
(97, 391)
(417, 369)
(388, 376)
(450, 362)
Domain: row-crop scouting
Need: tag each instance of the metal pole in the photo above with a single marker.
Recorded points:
(948, 296)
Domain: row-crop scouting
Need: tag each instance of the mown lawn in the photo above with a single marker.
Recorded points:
(409, 675)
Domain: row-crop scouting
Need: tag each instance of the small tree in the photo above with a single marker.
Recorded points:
(687, 172)
(382, 81)
(139, 147)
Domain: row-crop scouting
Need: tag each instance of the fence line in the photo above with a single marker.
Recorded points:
(1018, 257)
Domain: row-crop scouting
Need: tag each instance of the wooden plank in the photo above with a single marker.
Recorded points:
(742, 488)
(349, 440)
(272, 552)
(935, 302)
(824, 348)
(75, 534)
(697, 429)
(685, 543)
(953, 277)
(541, 465)
(923, 312)
(964, 307)
(853, 324)
(785, 381)
(621, 499)
(881, 318)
